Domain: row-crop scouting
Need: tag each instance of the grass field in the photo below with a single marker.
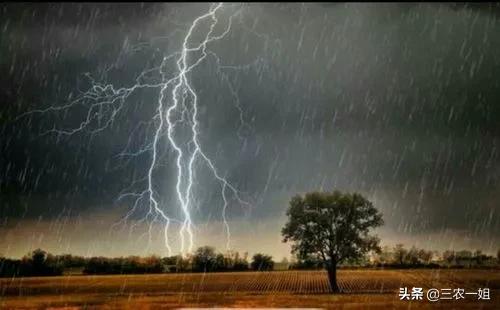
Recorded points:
(375, 289)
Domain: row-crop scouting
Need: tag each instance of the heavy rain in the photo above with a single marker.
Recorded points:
(139, 129)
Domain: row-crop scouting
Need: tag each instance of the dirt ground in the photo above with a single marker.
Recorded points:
(362, 289)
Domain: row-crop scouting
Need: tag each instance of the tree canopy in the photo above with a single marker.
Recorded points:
(262, 262)
(333, 226)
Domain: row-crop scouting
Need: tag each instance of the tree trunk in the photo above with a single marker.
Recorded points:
(332, 277)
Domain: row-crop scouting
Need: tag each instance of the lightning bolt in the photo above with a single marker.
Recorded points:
(177, 106)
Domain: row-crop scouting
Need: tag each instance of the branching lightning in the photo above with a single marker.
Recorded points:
(177, 105)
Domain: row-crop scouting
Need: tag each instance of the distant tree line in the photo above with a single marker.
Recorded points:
(204, 259)
(123, 265)
(401, 257)
(207, 259)
(36, 263)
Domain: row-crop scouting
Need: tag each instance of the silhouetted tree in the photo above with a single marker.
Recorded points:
(449, 256)
(400, 254)
(332, 226)
(204, 259)
(240, 263)
(463, 257)
(262, 262)
(38, 257)
(70, 261)
(39, 263)
(385, 256)
(10, 267)
(221, 263)
(412, 255)
(424, 256)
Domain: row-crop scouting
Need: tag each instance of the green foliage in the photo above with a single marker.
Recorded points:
(332, 226)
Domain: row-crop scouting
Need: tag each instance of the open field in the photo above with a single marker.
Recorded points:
(375, 289)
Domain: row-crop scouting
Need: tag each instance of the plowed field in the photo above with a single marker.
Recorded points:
(363, 288)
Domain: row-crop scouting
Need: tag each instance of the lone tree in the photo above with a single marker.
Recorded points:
(332, 226)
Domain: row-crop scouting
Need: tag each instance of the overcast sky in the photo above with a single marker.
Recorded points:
(400, 102)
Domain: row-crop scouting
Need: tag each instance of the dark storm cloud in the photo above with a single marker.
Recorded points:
(397, 101)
